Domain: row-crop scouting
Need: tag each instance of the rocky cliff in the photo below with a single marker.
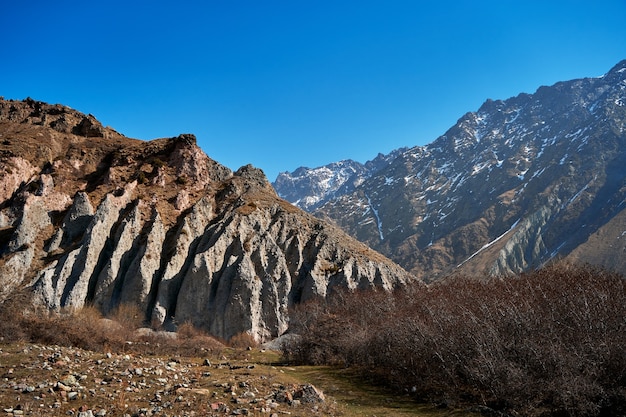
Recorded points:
(88, 216)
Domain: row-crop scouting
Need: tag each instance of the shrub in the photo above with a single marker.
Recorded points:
(129, 317)
(242, 340)
(86, 328)
(549, 342)
(157, 163)
(192, 341)
(142, 178)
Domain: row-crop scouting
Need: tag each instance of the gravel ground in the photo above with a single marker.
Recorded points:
(37, 380)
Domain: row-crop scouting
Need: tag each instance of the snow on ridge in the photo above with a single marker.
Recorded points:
(538, 173)
(478, 167)
(582, 190)
(517, 113)
(487, 245)
(521, 175)
(378, 221)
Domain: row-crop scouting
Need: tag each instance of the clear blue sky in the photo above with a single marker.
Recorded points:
(288, 83)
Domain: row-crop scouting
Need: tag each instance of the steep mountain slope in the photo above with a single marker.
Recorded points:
(513, 185)
(88, 216)
(310, 188)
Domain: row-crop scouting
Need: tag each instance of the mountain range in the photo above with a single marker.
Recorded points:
(509, 187)
(91, 217)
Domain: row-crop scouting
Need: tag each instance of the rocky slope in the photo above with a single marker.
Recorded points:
(88, 216)
(509, 187)
(310, 188)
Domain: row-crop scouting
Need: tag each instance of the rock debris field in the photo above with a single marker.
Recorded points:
(38, 380)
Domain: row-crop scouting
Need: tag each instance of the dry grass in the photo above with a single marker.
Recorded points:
(359, 396)
(123, 372)
(61, 364)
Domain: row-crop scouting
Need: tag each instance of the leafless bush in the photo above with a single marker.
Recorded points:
(86, 328)
(128, 317)
(549, 342)
(191, 341)
(242, 340)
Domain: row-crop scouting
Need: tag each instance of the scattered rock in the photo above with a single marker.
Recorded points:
(309, 394)
(97, 385)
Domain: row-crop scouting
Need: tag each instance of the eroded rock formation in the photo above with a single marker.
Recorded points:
(110, 221)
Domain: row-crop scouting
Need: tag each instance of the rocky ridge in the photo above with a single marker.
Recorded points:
(310, 188)
(101, 219)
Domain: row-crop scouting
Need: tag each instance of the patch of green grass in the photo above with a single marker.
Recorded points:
(355, 396)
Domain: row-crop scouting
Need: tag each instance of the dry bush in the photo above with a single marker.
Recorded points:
(197, 346)
(242, 340)
(188, 331)
(86, 328)
(129, 316)
(14, 311)
(191, 341)
(549, 342)
(319, 329)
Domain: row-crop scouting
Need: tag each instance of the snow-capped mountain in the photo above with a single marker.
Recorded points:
(508, 187)
(309, 188)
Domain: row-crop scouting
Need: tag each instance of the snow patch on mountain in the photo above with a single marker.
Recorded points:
(379, 223)
(489, 244)
(310, 188)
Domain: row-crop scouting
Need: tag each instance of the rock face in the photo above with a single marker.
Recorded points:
(509, 187)
(106, 220)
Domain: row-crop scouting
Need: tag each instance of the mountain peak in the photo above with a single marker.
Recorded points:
(619, 68)
(60, 118)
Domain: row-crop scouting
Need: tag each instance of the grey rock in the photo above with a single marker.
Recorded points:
(113, 273)
(75, 222)
(65, 283)
(34, 218)
(281, 341)
(141, 272)
(190, 229)
(309, 394)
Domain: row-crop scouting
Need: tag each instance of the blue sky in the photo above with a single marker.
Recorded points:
(283, 84)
